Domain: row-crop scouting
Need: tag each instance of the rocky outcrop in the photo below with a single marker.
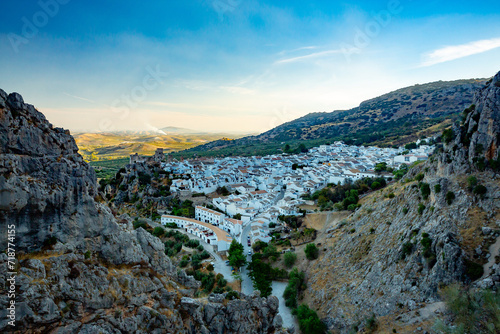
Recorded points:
(394, 254)
(483, 123)
(79, 269)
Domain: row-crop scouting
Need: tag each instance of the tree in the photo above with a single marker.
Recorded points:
(222, 191)
(480, 190)
(380, 167)
(472, 182)
(158, 231)
(312, 252)
(290, 259)
(261, 274)
(309, 321)
(236, 256)
(447, 136)
(403, 169)
(411, 146)
(425, 190)
(237, 216)
(296, 284)
(450, 196)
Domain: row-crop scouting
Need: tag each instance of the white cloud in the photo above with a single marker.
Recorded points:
(309, 56)
(449, 53)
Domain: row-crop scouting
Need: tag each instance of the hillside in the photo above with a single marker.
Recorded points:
(386, 267)
(395, 118)
(115, 145)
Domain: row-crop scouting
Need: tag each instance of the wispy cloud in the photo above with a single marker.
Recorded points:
(309, 56)
(284, 52)
(79, 97)
(449, 53)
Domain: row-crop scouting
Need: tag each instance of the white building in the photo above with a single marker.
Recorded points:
(212, 235)
(208, 216)
(233, 226)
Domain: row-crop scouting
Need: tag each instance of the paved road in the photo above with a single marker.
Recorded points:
(220, 266)
(286, 314)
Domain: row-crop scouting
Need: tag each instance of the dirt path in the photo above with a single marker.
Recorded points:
(494, 252)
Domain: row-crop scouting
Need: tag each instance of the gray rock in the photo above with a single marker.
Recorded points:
(486, 230)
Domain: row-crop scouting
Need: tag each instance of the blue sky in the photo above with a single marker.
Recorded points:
(233, 65)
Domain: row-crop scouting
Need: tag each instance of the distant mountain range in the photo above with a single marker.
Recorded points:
(391, 119)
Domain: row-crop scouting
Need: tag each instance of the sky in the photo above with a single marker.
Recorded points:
(240, 66)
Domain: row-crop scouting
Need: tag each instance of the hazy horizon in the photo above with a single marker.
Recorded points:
(233, 66)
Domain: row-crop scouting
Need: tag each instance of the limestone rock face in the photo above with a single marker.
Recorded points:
(484, 122)
(80, 271)
(389, 258)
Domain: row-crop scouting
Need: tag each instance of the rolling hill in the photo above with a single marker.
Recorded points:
(395, 118)
(115, 145)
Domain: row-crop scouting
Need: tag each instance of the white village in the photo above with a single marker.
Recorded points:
(261, 189)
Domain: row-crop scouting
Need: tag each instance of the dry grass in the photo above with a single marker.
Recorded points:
(41, 255)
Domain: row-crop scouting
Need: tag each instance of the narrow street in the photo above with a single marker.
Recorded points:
(247, 284)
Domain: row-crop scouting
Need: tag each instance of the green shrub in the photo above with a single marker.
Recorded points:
(421, 208)
(87, 254)
(474, 311)
(407, 249)
(425, 190)
(371, 324)
(419, 177)
(221, 281)
(158, 231)
(296, 284)
(290, 259)
(50, 241)
(450, 196)
(312, 252)
(232, 295)
(405, 211)
(472, 182)
(192, 243)
(309, 321)
(473, 270)
(183, 263)
(139, 223)
(447, 136)
(480, 190)
(391, 195)
(437, 188)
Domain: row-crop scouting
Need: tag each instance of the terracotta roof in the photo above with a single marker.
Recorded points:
(221, 234)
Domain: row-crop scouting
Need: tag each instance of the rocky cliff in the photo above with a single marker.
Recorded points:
(433, 228)
(81, 270)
